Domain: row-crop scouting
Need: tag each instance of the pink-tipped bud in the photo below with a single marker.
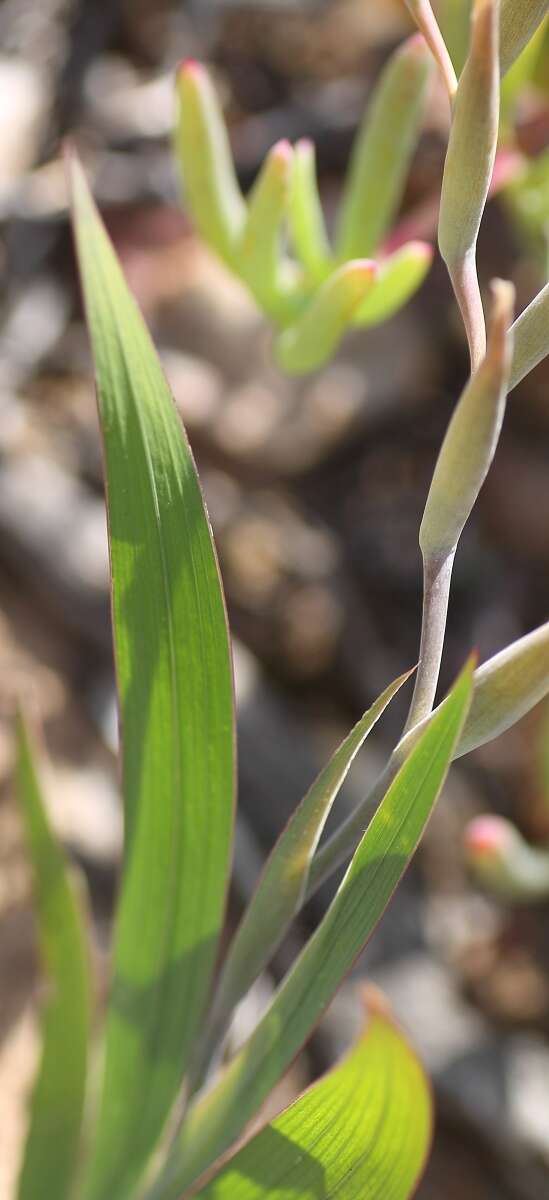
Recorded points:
(503, 862)
(204, 157)
(487, 838)
(191, 66)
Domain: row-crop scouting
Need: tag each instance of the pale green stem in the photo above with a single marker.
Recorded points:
(467, 292)
(437, 576)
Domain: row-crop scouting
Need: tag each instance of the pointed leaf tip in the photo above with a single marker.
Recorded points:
(382, 151)
(205, 161)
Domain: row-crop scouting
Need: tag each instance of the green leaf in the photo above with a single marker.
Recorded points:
(468, 168)
(399, 277)
(518, 23)
(473, 138)
(205, 161)
(315, 335)
(360, 1133)
(53, 1139)
(520, 76)
(258, 257)
(305, 214)
(282, 886)
(217, 1118)
(175, 693)
(531, 335)
(383, 150)
(471, 438)
(505, 688)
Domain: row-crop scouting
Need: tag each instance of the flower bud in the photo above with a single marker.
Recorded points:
(471, 438)
(531, 335)
(382, 151)
(315, 336)
(503, 862)
(204, 156)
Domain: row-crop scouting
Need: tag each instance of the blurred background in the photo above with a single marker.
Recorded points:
(315, 489)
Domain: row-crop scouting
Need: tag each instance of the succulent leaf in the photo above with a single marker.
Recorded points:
(382, 151)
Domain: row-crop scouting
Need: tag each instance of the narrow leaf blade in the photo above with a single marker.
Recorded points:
(218, 1117)
(361, 1132)
(175, 693)
(58, 1099)
(283, 884)
(531, 337)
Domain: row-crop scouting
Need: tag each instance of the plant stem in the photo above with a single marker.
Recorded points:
(437, 575)
(465, 283)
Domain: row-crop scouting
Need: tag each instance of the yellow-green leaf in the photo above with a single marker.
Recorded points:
(360, 1133)
(205, 161)
(383, 149)
(305, 215)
